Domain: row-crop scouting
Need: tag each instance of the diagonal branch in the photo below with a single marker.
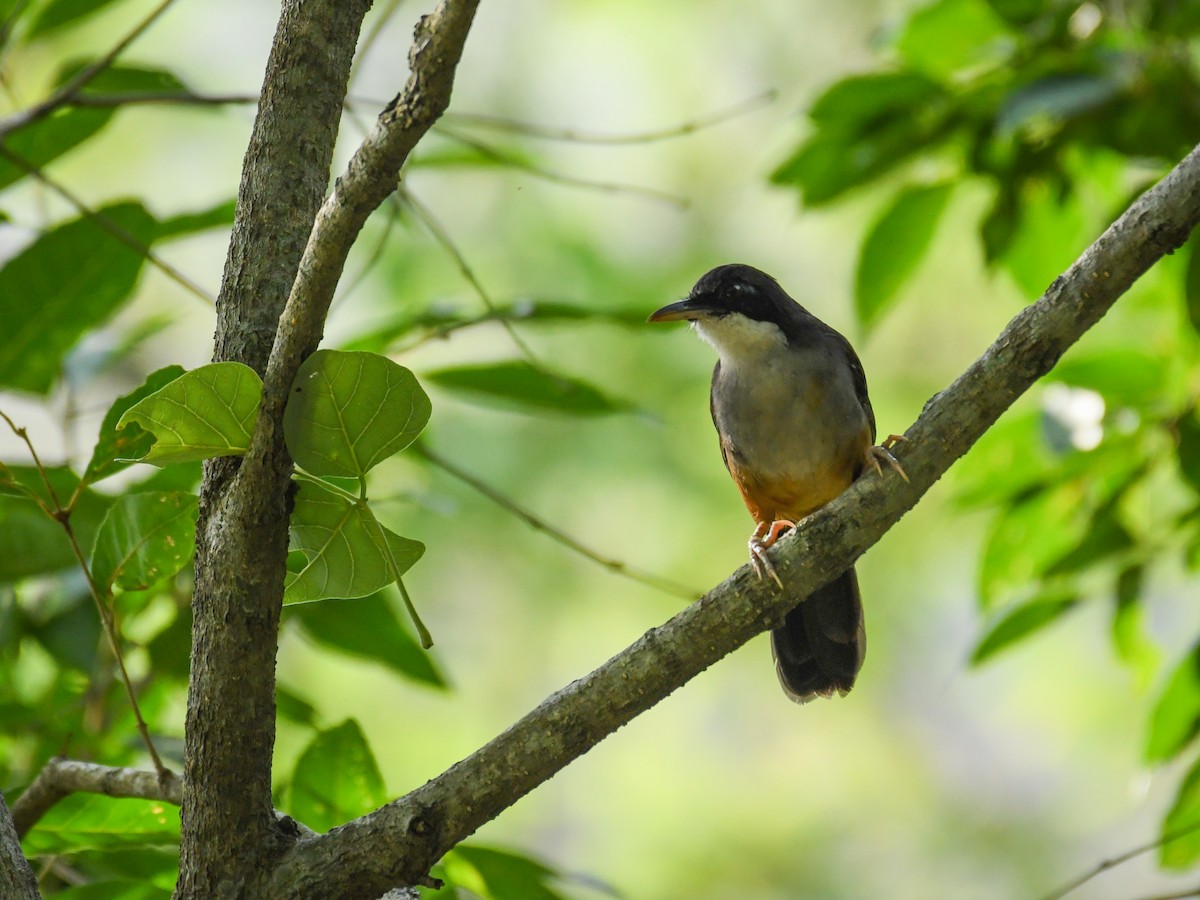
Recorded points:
(370, 177)
(400, 841)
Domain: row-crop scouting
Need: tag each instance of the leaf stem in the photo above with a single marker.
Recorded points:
(422, 632)
(62, 515)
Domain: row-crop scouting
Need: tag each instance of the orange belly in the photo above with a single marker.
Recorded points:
(771, 499)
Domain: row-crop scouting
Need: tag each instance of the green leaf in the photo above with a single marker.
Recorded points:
(170, 649)
(144, 866)
(1131, 640)
(442, 318)
(1181, 827)
(1042, 245)
(1192, 284)
(497, 874)
(894, 246)
(1018, 12)
(115, 80)
(336, 779)
(43, 141)
(1021, 622)
(371, 629)
(831, 163)
(1105, 538)
(58, 13)
(35, 544)
(1054, 98)
(1123, 376)
(1176, 717)
(348, 412)
(517, 384)
(861, 102)
(144, 539)
(1028, 536)
(67, 282)
(204, 413)
(93, 821)
(114, 447)
(71, 635)
(186, 224)
(292, 706)
(346, 552)
(998, 228)
(1187, 449)
(945, 38)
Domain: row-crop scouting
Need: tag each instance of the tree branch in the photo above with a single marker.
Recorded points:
(62, 777)
(17, 880)
(279, 250)
(229, 836)
(399, 842)
(371, 176)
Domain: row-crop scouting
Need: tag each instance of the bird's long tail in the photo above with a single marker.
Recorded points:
(821, 644)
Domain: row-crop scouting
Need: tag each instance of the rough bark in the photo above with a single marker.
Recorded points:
(397, 843)
(17, 880)
(229, 829)
(230, 840)
(60, 778)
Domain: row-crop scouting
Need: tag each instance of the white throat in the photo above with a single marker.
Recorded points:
(738, 339)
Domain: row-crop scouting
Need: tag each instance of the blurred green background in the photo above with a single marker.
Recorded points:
(933, 778)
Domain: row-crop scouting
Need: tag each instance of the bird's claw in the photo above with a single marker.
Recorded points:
(884, 452)
(765, 536)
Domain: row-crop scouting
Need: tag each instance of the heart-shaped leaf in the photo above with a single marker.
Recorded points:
(336, 778)
(116, 447)
(349, 411)
(346, 552)
(144, 539)
(204, 413)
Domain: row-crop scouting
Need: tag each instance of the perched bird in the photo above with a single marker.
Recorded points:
(789, 399)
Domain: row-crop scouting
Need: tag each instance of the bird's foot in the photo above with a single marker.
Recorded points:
(766, 534)
(883, 452)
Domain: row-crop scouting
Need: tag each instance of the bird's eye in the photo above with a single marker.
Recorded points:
(734, 292)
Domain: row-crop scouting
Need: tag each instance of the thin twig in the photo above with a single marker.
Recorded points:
(60, 777)
(447, 243)
(136, 98)
(62, 515)
(68, 91)
(1105, 865)
(499, 156)
(538, 524)
(108, 225)
(639, 137)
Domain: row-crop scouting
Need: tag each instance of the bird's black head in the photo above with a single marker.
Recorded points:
(734, 288)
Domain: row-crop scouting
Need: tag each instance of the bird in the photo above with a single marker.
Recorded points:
(796, 428)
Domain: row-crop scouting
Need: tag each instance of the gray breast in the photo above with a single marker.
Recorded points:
(788, 412)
